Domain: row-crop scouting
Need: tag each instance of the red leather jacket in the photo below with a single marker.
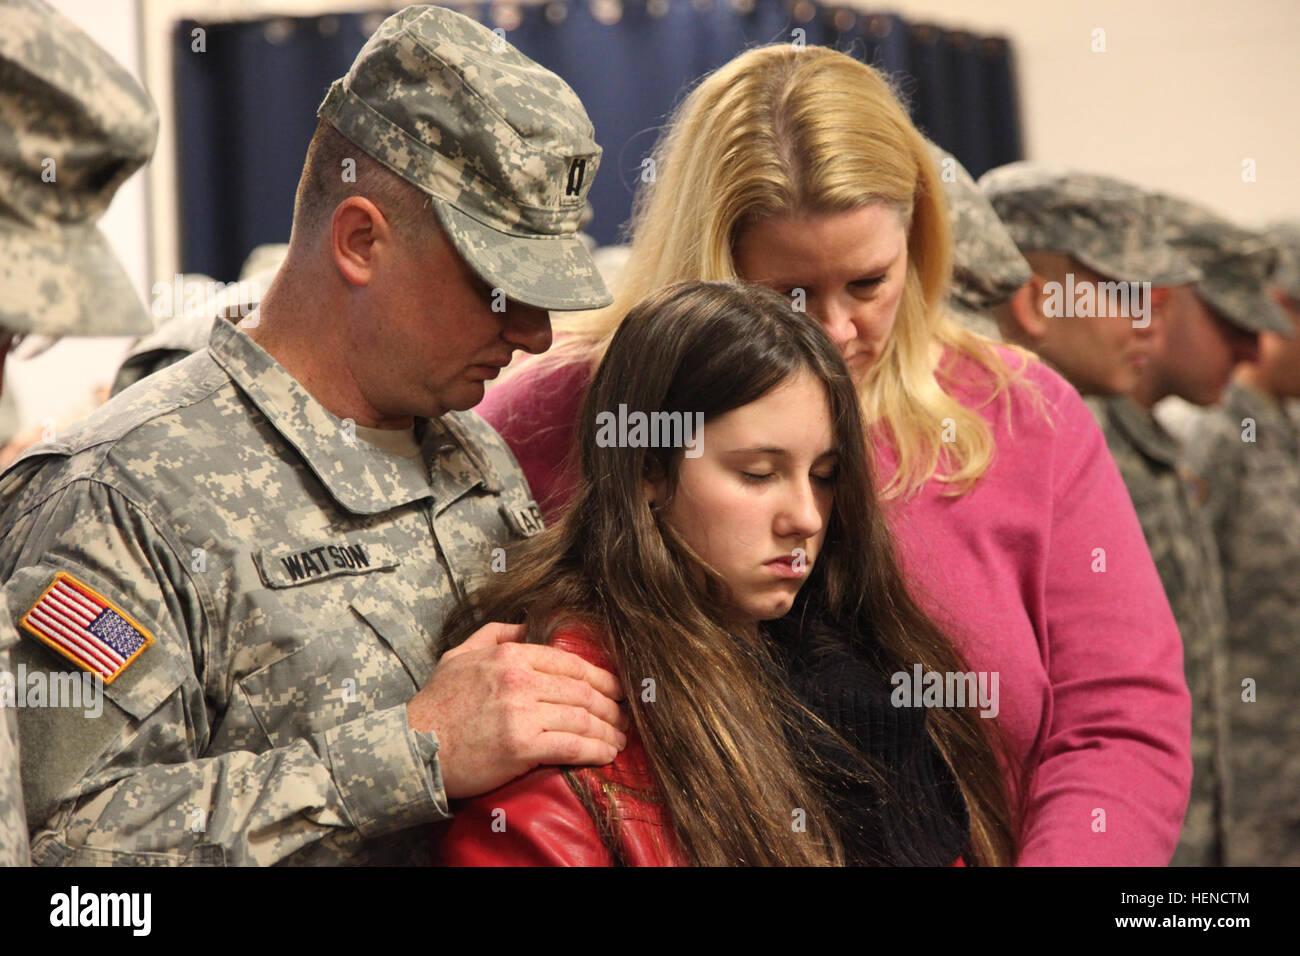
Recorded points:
(537, 820)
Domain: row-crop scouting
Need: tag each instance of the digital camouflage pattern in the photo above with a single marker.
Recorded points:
(503, 145)
(74, 125)
(1286, 236)
(1254, 504)
(987, 267)
(13, 821)
(1170, 502)
(294, 578)
(1106, 224)
(1236, 265)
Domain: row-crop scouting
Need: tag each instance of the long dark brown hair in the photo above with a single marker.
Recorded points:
(717, 734)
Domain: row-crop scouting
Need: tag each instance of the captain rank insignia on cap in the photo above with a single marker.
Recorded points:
(577, 172)
(86, 627)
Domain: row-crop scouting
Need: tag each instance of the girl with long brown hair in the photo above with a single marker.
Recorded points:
(738, 578)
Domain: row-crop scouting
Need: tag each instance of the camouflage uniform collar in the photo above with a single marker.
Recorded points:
(1142, 430)
(361, 477)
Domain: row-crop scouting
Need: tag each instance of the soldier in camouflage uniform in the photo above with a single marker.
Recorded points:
(1248, 450)
(1085, 235)
(1208, 328)
(987, 267)
(75, 127)
(255, 548)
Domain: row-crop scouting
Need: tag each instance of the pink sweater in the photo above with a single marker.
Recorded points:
(1090, 665)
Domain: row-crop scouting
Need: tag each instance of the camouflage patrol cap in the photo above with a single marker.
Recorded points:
(1236, 265)
(1286, 236)
(987, 267)
(980, 321)
(74, 125)
(1106, 224)
(504, 147)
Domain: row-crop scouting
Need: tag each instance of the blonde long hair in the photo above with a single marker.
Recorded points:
(784, 131)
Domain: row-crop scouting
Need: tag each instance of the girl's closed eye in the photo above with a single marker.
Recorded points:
(756, 479)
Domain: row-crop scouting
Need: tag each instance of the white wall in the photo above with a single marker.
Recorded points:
(1185, 91)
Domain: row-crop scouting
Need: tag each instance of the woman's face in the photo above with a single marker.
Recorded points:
(850, 265)
(755, 504)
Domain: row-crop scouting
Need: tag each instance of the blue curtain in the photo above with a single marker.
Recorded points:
(246, 105)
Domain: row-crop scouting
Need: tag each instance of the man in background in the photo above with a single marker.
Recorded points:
(187, 331)
(1209, 327)
(1091, 309)
(1248, 450)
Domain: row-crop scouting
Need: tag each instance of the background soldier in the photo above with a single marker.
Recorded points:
(1078, 231)
(1208, 328)
(1286, 284)
(77, 127)
(187, 331)
(255, 548)
(1248, 450)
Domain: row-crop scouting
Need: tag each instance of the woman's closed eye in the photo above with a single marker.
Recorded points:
(755, 478)
(867, 284)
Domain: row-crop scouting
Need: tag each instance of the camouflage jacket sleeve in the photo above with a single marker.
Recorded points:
(13, 821)
(137, 780)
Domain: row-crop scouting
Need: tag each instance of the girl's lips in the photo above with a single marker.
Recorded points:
(784, 568)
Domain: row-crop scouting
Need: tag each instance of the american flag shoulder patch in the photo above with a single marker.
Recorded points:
(86, 627)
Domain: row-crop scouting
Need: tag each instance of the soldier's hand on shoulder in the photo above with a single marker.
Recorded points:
(500, 708)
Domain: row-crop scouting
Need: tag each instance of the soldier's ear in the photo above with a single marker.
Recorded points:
(359, 233)
(1025, 309)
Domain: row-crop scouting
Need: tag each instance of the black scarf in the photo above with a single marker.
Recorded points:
(919, 817)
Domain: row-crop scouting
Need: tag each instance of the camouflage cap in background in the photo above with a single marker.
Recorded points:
(74, 125)
(503, 145)
(987, 267)
(1286, 236)
(1106, 224)
(1236, 265)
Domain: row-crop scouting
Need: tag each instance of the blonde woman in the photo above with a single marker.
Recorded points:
(799, 169)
